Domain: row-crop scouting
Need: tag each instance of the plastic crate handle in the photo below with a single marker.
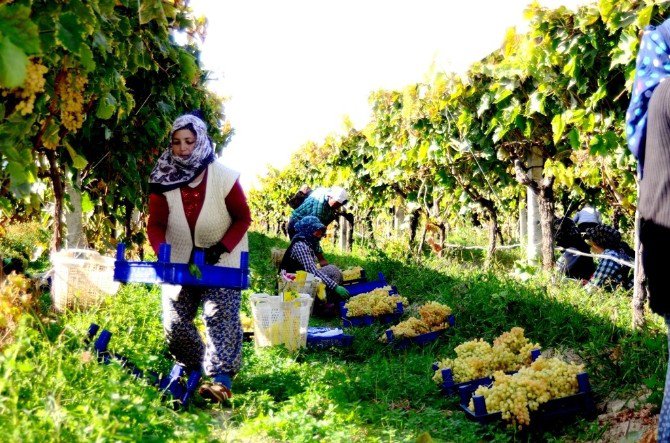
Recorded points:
(76, 251)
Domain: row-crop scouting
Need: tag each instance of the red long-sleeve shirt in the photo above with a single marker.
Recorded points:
(193, 199)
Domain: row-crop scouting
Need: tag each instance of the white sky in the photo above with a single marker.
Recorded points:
(293, 69)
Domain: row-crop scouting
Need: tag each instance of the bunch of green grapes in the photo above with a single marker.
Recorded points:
(464, 369)
(352, 273)
(70, 92)
(517, 395)
(477, 358)
(376, 302)
(409, 328)
(514, 339)
(435, 315)
(33, 85)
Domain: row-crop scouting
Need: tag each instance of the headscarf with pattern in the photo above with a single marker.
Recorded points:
(605, 236)
(651, 68)
(172, 171)
(306, 227)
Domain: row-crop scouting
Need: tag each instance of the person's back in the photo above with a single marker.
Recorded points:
(322, 203)
(587, 217)
(572, 265)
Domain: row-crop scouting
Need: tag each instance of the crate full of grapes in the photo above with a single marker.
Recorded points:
(434, 319)
(547, 389)
(477, 360)
(354, 275)
(450, 387)
(382, 305)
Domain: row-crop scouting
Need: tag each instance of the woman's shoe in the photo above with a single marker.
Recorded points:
(215, 392)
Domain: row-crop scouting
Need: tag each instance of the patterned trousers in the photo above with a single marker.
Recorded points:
(223, 330)
(664, 416)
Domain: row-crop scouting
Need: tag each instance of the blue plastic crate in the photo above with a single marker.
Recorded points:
(367, 286)
(421, 339)
(172, 384)
(341, 340)
(367, 320)
(449, 387)
(362, 279)
(163, 271)
(579, 403)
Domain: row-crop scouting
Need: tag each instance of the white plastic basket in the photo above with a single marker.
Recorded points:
(81, 278)
(278, 322)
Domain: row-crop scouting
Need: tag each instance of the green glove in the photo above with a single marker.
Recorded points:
(342, 291)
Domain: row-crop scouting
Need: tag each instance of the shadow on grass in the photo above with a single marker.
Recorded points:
(392, 391)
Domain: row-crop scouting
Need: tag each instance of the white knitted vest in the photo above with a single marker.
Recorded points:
(213, 221)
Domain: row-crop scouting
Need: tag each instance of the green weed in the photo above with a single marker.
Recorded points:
(50, 390)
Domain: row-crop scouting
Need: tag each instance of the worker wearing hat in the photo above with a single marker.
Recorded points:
(322, 203)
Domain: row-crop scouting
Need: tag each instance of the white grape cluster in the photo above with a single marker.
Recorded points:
(477, 358)
(352, 273)
(434, 317)
(376, 303)
(70, 91)
(32, 85)
(516, 395)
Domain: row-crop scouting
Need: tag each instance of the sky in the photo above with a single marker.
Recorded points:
(292, 70)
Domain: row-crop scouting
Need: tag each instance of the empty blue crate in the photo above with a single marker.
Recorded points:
(580, 403)
(317, 339)
(421, 339)
(165, 272)
(449, 387)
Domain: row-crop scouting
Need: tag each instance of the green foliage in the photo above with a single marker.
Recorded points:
(93, 88)
(449, 146)
(366, 393)
(26, 242)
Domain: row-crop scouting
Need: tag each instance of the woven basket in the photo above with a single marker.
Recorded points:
(82, 278)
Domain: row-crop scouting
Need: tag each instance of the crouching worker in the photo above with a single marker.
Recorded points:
(301, 256)
(571, 265)
(606, 240)
(196, 202)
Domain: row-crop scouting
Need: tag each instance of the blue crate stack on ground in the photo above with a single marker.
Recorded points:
(318, 337)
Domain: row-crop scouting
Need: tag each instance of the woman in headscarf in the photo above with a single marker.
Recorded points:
(648, 132)
(301, 256)
(568, 237)
(196, 202)
(606, 240)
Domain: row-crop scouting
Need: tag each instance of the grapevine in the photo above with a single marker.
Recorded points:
(33, 85)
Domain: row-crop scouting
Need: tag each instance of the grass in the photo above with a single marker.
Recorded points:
(51, 391)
